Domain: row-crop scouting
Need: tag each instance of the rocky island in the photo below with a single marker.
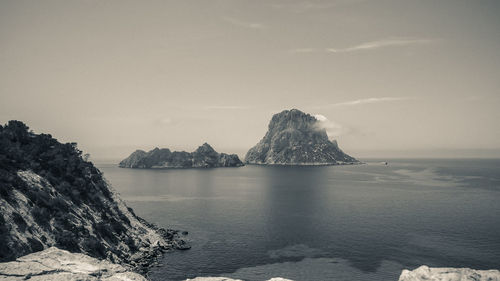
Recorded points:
(52, 196)
(203, 157)
(296, 138)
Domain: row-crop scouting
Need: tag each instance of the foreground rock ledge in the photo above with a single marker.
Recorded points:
(449, 274)
(56, 264)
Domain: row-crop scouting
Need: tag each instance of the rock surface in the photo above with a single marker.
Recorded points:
(203, 157)
(51, 196)
(55, 264)
(213, 279)
(229, 279)
(296, 138)
(425, 273)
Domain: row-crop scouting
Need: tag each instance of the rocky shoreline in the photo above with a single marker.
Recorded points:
(148, 257)
(57, 265)
(51, 196)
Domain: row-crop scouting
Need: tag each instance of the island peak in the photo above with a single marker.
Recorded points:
(297, 138)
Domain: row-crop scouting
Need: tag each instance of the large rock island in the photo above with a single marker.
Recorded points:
(297, 138)
(203, 157)
(52, 196)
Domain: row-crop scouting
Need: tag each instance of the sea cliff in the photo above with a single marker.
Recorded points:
(52, 196)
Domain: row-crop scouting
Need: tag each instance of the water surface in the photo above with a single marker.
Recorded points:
(364, 222)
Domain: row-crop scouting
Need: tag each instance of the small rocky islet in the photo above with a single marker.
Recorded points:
(203, 157)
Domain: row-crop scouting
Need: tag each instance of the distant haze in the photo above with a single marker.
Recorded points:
(390, 78)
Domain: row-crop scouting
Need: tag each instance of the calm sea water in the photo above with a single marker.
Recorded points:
(364, 222)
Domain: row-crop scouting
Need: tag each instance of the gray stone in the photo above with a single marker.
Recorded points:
(425, 273)
(55, 264)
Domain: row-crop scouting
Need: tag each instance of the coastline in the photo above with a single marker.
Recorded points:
(56, 264)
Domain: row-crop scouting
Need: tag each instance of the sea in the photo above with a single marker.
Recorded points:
(360, 222)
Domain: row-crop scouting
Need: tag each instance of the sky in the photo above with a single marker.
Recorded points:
(392, 78)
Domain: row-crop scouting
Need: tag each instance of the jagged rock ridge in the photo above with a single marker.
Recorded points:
(296, 138)
(51, 196)
(203, 157)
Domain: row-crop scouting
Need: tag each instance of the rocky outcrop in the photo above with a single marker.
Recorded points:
(425, 273)
(203, 157)
(51, 196)
(229, 279)
(296, 138)
(213, 279)
(55, 264)
(59, 265)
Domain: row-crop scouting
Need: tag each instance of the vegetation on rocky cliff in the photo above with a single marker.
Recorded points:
(52, 196)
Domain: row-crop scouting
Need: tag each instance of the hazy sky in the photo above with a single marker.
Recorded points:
(395, 78)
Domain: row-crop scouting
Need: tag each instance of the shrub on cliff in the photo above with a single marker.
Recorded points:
(69, 181)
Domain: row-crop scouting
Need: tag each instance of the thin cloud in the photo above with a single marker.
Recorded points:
(302, 7)
(224, 107)
(394, 42)
(302, 50)
(371, 100)
(364, 101)
(164, 121)
(251, 25)
(311, 5)
(333, 129)
(382, 44)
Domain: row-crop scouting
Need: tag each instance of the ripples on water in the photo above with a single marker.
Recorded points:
(322, 223)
